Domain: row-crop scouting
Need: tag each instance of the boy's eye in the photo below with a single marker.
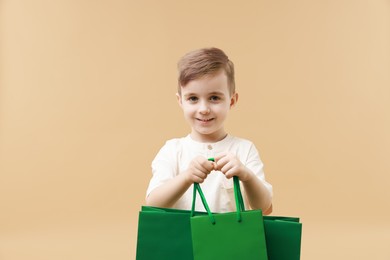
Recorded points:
(214, 98)
(192, 99)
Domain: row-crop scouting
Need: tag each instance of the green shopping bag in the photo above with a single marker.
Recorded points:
(164, 234)
(283, 237)
(230, 236)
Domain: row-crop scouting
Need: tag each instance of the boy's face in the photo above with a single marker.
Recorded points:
(206, 103)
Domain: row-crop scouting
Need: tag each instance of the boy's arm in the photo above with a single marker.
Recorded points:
(257, 193)
(259, 196)
(167, 194)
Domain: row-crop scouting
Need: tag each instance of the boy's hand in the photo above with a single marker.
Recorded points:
(198, 169)
(230, 165)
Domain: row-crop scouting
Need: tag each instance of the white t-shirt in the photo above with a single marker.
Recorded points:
(175, 156)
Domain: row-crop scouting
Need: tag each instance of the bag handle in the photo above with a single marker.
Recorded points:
(237, 195)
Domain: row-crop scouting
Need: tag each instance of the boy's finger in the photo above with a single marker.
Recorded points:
(207, 165)
(226, 168)
(215, 166)
(211, 167)
(219, 156)
(222, 162)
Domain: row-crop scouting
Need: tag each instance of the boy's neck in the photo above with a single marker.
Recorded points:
(212, 138)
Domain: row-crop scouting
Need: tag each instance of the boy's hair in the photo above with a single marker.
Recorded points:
(203, 62)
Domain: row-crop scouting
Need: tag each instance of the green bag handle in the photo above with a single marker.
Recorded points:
(202, 197)
(237, 195)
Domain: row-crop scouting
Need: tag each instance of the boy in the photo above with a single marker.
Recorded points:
(206, 93)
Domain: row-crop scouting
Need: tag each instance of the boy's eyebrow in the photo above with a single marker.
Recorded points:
(211, 93)
(216, 93)
(189, 94)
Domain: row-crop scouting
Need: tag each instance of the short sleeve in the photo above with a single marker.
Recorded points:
(164, 166)
(254, 163)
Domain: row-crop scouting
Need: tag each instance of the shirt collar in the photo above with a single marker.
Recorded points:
(219, 146)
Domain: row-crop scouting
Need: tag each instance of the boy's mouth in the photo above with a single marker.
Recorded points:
(204, 119)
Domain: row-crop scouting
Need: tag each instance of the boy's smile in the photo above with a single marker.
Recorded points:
(205, 120)
(206, 102)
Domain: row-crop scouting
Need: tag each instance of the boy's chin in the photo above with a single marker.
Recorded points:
(205, 133)
(209, 136)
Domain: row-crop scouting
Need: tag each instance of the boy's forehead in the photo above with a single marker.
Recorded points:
(200, 89)
(217, 83)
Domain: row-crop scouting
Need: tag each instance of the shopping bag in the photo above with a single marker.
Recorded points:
(230, 236)
(164, 234)
(283, 237)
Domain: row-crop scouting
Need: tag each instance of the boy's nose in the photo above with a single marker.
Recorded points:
(204, 109)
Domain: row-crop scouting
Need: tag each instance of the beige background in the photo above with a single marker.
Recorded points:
(87, 97)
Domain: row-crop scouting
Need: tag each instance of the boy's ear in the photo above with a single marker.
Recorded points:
(179, 100)
(233, 100)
